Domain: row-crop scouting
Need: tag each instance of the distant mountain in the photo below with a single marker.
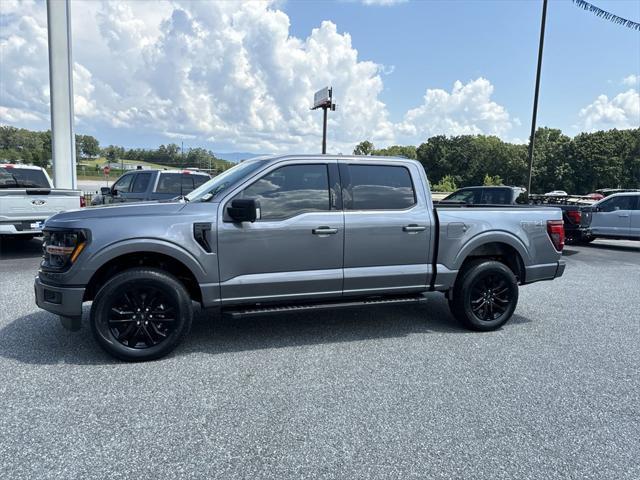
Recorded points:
(235, 157)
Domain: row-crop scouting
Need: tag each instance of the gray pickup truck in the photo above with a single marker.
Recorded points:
(289, 233)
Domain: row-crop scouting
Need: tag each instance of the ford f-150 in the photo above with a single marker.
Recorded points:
(290, 233)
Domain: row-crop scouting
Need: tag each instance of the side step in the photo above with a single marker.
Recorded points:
(238, 312)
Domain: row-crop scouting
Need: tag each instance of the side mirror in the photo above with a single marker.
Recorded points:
(105, 191)
(244, 210)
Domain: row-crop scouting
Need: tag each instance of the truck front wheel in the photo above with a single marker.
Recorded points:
(141, 314)
(485, 295)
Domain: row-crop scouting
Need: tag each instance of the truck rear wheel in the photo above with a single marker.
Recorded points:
(141, 314)
(485, 295)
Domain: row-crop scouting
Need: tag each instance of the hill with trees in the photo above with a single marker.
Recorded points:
(33, 147)
(579, 165)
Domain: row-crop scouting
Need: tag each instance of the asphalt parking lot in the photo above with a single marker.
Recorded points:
(395, 392)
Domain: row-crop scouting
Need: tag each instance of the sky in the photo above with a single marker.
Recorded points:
(240, 76)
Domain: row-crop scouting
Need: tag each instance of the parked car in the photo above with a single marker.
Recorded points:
(594, 196)
(145, 185)
(616, 216)
(287, 234)
(27, 199)
(576, 213)
(605, 192)
(575, 221)
(557, 193)
(500, 195)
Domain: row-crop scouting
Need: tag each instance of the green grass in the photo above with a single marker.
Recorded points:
(91, 163)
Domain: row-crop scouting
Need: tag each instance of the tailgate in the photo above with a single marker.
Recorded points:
(36, 203)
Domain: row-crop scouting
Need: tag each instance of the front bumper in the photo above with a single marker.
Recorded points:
(63, 301)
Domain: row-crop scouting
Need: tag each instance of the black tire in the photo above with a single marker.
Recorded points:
(485, 295)
(122, 314)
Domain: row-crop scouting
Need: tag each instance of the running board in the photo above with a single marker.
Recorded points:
(268, 309)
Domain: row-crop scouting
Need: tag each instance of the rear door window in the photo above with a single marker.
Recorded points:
(378, 187)
(618, 203)
(496, 196)
(175, 183)
(200, 180)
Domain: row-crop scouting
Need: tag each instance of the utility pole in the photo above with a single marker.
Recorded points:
(535, 96)
(324, 99)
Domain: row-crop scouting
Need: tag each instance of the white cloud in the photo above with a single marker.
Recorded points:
(631, 80)
(467, 109)
(384, 3)
(622, 111)
(228, 73)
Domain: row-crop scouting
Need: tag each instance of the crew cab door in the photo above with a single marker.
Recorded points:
(387, 228)
(613, 216)
(295, 249)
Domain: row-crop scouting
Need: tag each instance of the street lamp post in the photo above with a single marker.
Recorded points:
(324, 99)
(535, 96)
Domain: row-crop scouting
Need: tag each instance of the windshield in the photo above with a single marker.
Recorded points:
(22, 178)
(221, 182)
(461, 196)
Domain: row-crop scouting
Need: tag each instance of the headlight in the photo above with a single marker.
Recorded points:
(61, 248)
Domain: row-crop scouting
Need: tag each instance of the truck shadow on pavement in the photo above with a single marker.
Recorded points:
(40, 339)
(20, 248)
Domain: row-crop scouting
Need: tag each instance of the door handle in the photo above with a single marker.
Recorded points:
(324, 231)
(623, 214)
(413, 228)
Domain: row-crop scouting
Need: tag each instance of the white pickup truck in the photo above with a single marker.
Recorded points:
(27, 199)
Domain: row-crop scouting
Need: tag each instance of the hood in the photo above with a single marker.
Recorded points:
(115, 211)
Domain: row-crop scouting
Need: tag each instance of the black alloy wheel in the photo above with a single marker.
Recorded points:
(485, 295)
(142, 317)
(141, 314)
(490, 297)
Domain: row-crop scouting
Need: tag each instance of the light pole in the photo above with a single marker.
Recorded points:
(324, 99)
(535, 96)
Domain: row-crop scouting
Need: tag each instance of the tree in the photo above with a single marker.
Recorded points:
(364, 148)
(447, 184)
(87, 146)
(110, 153)
(407, 151)
(490, 181)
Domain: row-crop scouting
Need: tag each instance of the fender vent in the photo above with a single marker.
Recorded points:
(200, 234)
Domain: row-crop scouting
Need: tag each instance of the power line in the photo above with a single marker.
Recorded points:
(598, 12)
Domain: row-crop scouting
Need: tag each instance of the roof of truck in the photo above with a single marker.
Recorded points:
(20, 165)
(330, 156)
